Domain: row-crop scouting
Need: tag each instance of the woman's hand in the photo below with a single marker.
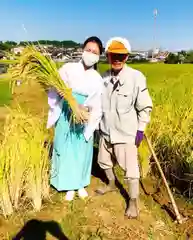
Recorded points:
(87, 109)
(85, 112)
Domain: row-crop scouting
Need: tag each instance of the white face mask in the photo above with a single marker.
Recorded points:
(89, 58)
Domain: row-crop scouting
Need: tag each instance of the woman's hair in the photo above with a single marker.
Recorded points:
(98, 42)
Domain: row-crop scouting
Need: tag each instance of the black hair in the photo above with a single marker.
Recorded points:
(98, 42)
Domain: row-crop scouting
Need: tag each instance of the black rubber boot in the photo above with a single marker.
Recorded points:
(111, 187)
(133, 208)
(132, 211)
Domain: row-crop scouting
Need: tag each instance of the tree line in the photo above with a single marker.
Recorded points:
(6, 46)
(180, 57)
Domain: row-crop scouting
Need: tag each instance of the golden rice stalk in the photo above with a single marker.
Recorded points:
(24, 161)
(45, 166)
(31, 65)
(144, 159)
(16, 179)
(15, 151)
(38, 176)
(6, 207)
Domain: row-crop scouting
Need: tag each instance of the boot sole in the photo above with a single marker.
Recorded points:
(132, 217)
(103, 193)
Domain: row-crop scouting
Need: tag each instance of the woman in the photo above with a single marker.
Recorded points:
(73, 149)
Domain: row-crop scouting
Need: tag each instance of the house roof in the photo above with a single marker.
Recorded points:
(162, 54)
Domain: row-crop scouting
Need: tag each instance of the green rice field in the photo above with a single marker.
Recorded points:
(101, 218)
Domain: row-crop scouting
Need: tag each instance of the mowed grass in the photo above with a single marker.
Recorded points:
(5, 94)
(5, 97)
(103, 217)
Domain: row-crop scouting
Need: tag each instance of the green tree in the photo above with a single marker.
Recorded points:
(11, 43)
(189, 57)
(55, 43)
(6, 46)
(172, 59)
(181, 56)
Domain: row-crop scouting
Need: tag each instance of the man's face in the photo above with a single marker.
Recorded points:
(116, 60)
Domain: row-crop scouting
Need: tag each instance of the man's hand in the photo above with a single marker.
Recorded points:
(139, 138)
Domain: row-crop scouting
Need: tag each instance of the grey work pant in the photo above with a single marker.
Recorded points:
(124, 153)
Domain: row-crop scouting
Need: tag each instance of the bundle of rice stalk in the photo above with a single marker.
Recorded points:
(37, 178)
(14, 143)
(15, 155)
(37, 181)
(6, 207)
(31, 65)
(27, 160)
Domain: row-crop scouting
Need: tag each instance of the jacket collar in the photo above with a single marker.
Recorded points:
(119, 77)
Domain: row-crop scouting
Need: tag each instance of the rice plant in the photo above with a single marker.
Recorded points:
(6, 206)
(171, 127)
(38, 176)
(24, 162)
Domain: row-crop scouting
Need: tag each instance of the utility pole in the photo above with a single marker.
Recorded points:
(154, 31)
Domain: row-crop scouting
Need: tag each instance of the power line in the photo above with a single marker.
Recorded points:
(155, 12)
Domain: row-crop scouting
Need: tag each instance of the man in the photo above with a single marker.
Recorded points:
(126, 112)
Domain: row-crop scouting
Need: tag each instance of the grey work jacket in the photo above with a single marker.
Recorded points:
(126, 105)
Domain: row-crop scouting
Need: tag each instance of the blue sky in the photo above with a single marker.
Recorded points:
(78, 19)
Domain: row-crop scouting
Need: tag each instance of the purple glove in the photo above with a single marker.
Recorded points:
(139, 138)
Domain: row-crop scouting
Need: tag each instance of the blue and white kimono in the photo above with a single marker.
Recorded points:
(73, 145)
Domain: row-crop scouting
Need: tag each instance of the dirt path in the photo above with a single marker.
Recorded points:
(101, 217)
